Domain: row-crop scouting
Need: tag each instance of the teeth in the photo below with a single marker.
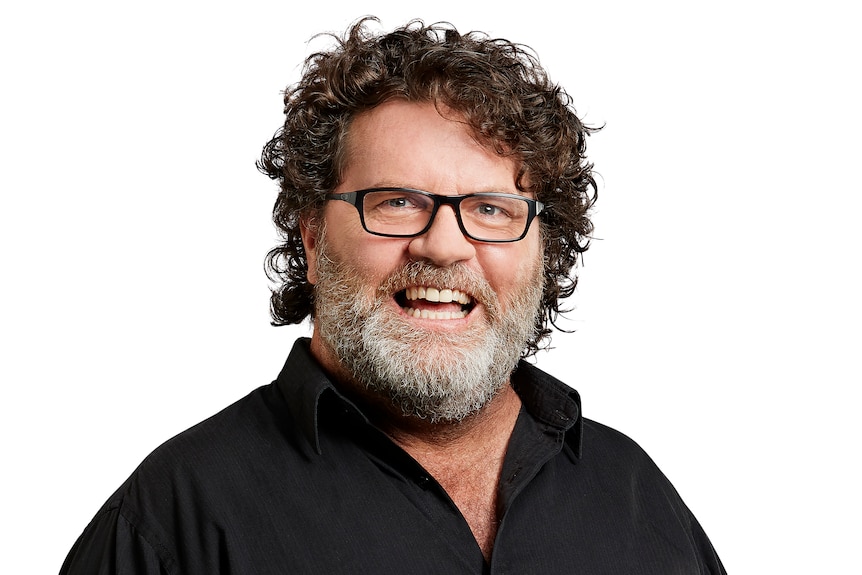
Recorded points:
(433, 294)
(425, 314)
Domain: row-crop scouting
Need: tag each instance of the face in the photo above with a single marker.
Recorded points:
(434, 323)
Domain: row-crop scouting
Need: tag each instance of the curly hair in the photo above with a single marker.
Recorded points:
(497, 88)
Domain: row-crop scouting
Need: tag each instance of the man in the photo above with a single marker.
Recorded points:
(434, 198)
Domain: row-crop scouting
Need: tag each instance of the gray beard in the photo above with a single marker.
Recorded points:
(438, 376)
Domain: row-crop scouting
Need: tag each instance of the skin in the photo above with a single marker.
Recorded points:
(412, 145)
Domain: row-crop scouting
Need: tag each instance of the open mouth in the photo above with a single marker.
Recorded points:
(435, 303)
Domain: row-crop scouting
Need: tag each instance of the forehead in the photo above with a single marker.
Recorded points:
(402, 143)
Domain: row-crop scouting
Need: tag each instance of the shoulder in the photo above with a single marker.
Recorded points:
(619, 464)
(605, 448)
(256, 416)
(185, 489)
(221, 445)
(601, 438)
(193, 473)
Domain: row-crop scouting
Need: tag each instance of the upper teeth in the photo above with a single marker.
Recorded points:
(434, 294)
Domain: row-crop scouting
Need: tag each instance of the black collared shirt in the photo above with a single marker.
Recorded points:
(293, 479)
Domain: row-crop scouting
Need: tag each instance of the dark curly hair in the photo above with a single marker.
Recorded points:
(502, 94)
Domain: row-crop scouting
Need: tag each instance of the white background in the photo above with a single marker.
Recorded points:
(717, 317)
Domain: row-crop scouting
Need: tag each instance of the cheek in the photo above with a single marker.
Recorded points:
(514, 262)
(372, 258)
(509, 268)
(348, 244)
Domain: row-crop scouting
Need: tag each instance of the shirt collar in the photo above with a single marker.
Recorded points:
(551, 402)
(302, 383)
(305, 386)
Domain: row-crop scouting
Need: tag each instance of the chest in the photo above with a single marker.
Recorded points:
(380, 523)
(474, 493)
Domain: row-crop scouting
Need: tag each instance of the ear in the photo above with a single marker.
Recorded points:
(308, 228)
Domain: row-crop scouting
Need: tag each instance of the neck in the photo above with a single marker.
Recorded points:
(492, 422)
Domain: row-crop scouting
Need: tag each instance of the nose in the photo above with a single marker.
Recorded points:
(443, 244)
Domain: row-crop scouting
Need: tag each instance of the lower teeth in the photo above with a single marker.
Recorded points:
(426, 314)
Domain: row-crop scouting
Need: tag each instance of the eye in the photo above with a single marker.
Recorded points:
(398, 203)
(489, 210)
(390, 201)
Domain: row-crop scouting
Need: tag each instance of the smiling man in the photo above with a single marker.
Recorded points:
(434, 199)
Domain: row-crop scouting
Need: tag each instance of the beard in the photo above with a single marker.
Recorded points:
(437, 375)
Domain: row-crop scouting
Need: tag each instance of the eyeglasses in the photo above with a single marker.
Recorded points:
(407, 213)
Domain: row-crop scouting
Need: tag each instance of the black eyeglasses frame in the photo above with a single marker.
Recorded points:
(356, 198)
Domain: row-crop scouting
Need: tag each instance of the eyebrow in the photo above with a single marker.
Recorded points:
(483, 190)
